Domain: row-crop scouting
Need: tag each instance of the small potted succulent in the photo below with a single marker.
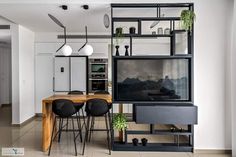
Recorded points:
(120, 123)
(187, 18)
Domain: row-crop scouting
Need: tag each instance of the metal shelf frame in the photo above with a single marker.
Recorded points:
(177, 147)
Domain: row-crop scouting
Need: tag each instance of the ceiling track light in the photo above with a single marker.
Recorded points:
(85, 7)
(66, 49)
(64, 7)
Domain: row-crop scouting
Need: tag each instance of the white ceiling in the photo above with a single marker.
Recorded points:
(33, 14)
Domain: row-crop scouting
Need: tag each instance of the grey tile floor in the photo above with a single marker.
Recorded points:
(29, 137)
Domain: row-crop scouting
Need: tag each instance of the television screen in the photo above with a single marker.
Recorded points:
(152, 79)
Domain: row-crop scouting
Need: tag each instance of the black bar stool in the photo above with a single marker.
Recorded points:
(78, 107)
(109, 113)
(63, 108)
(97, 108)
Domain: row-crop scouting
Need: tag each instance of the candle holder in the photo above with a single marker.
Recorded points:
(117, 50)
(126, 50)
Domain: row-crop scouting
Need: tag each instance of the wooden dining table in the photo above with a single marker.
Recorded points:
(48, 116)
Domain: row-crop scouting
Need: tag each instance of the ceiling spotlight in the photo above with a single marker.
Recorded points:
(64, 7)
(85, 7)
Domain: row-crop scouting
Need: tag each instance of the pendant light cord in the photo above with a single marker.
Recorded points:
(86, 34)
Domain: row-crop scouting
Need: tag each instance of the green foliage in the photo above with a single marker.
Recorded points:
(187, 18)
(120, 122)
(119, 35)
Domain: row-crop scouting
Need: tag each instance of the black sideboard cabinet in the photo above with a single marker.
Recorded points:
(185, 114)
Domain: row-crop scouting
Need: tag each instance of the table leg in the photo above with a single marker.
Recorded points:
(47, 124)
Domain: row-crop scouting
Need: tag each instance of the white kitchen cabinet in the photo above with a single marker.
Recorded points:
(78, 73)
(70, 73)
(62, 74)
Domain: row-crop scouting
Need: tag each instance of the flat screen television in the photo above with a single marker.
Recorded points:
(138, 79)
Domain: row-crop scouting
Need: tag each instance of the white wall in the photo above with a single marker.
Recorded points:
(15, 74)
(22, 68)
(210, 61)
(26, 73)
(233, 83)
(5, 73)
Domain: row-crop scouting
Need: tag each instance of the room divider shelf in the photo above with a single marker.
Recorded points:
(141, 33)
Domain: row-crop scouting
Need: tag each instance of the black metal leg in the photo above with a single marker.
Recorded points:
(60, 129)
(79, 125)
(67, 123)
(86, 133)
(74, 136)
(108, 137)
(84, 124)
(91, 128)
(49, 151)
(110, 123)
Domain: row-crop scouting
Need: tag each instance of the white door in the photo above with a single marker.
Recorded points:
(62, 74)
(78, 73)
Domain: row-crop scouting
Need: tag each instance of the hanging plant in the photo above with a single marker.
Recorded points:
(187, 18)
(120, 122)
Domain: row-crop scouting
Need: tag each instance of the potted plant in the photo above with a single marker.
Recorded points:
(187, 18)
(119, 39)
(120, 123)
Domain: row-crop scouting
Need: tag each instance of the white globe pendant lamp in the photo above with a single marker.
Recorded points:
(66, 50)
(86, 49)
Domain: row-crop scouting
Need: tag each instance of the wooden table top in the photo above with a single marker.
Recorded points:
(78, 98)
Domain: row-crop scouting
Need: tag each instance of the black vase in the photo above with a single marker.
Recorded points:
(132, 30)
(135, 141)
(117, 50)
(144, 141)
(126, 50)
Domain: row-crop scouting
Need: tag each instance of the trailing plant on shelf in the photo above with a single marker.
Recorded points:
(187, 18)
(120, 122)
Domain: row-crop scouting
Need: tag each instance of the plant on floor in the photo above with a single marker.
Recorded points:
(120, 122)
(187, 18)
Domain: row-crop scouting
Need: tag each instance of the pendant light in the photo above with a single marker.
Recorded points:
(66, 49)
(86, 49)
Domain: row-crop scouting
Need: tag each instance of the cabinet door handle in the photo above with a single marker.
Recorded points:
(53, 84)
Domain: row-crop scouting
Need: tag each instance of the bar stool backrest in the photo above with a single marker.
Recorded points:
(63, 108)
(96, 107)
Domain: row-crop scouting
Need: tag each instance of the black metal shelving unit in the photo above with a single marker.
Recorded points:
(189, 132)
